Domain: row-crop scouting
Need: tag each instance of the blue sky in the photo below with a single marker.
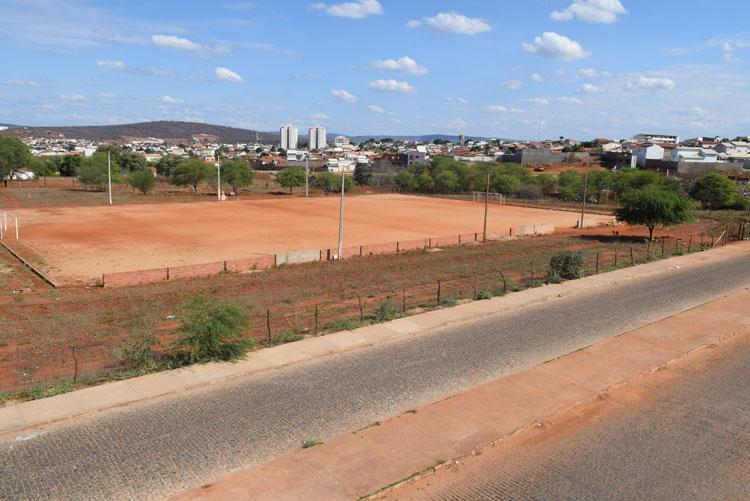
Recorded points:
(590, 68)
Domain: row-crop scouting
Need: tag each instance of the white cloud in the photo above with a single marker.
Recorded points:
(172, 42)
(344, 96)
(589, 89)
(22, 83)
(496, 108)
(457, 123)
(404, 65)
(560, 71)
(569, 100)
(320, 116)
(110, 65)
(376, 109)
(729, 57)
(171, 100)
(517, 110)
(414, 24)
(226, 74)
(74, 97)
(645, 83)
(462, 100)
(539, 101)
(392, 86)
(594, 11)
(457, 24)
(395, 120)
(353, 10)
(108, 95)
(556, 46)
(512, 85)
(537, 77)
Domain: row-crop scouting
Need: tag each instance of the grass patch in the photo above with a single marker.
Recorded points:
(311, 442)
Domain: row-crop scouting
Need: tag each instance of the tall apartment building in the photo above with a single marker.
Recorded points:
(288, 137)
(317, 138)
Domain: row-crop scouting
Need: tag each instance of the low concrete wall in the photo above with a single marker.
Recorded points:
(298, 257)
(134, 277)
(540, 229)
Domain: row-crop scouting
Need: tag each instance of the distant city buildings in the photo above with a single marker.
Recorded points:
(657, 138)
(317, 136)
(341, 141)
(288, 134)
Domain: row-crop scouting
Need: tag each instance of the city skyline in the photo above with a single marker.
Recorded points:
(604, 68)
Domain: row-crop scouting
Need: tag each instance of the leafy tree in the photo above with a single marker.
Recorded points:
(142, 180)
(43, 167)
(446, 181)
(653, 206)
(424, 182)
(14, 155)
(212, 330)
(70, 165)
(192, 172)
(167, 163)
(714, 191)
(331, 183)
(131, 162)
(566, 265)
(506, 184)
(237, 173)
(291, 177)
(405, 181)
(363, 174)
(94, 171)
(546, 183)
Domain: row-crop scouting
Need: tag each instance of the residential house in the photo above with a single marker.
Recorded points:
(693, 155)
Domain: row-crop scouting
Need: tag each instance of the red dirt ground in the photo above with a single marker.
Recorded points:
(84, 242)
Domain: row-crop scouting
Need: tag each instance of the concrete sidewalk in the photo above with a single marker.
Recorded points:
(85, 402)
(419, 442)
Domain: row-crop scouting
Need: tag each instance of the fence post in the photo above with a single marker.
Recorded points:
(75, 366)
(597, 263)
(532, 274)
(615, 256)
(662, 247)
(438, 294)
(690, 243)
(676, 244)
(726, 235)
(316, 317)
(268, 325)
(475, 286)
(632, 259)
(505, 284)
(361, 310)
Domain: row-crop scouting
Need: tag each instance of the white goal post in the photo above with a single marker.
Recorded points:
(4, 224)
(480, 196)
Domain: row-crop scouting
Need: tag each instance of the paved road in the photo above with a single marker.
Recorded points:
(176, 443)
(684, 435)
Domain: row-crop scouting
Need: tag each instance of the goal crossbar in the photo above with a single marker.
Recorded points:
(480, 196)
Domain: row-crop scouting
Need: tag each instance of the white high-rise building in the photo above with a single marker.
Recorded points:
(317, 138)
(288, 137)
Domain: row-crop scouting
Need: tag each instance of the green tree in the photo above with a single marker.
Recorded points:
(446, 181)
(363, 174)
(131, 162)
(94, 171)
(142, 180)
(405, 181)
(70, 165)
(506, 184)
(291, 177)
(43, 167)
(546, 183)
(424, 182)
(654, 206)
(331, 183)
(212, 330)
(14, 155)
(237, 173)
(192, 172)
(714, 191)
(166, 163)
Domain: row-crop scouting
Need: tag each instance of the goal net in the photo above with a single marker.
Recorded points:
(494, 198)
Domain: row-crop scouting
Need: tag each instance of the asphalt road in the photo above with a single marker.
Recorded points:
(684, 435)
(187, 440)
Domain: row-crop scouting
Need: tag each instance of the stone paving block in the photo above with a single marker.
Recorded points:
(316, 346)
(50, 409)
(154, 385)
(402, 439)
(10, 418)
(285, 354)
(347, 339)
(404, 326)
(203, 374)
(106, 395)
(376, 333)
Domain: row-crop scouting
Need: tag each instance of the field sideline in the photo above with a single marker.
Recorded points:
(84, 242)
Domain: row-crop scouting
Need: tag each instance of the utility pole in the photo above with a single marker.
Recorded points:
(218, 181)
(307, 173)
(341, 215)
(486, 203)
(583, 205)
(109, 176)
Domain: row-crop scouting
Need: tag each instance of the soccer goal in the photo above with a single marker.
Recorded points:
(494, 198)
(4, 224)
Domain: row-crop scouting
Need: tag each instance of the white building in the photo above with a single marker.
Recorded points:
(647, 151)
(288, 137)
(733, 148)
(657, 138)
(341, 141)
(341, 164)
(317, 138)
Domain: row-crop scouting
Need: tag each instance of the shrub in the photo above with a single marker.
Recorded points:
(286, 337)
(212, 330)
(566, 265)
(484, 294)
(386, 311)
(142, 180)
(139, 352)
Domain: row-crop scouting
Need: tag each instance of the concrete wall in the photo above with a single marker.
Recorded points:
(298, 257)
(699, 167)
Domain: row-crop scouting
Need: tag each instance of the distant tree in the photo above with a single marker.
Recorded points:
(714, 191)
(363, 174)
(142, 180)
(654, 206)
(166, 163)
(405, 181)
(94, 171)
(192, 172)
(70, 165)
(425, 182)
(14, 155)
(331, 183)
(131, 162)
(546, 183)
(506, 184)
(282, 152)
(237, 173)
(291, 177)
(386, 140)
(446, 181)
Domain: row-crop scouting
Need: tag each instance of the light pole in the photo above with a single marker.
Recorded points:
(218, 183)
(109, 176)
(486, 203)
(341, 215)
(583, 205)
(307, 173)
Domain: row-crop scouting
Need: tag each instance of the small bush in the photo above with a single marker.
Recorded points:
(286, 337)
(566, 265)
(343, 324)
(311, 442)
(485, 294)
(386, 311)
(139, 352)
(450, 300)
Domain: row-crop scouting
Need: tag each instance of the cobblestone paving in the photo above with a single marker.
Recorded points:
(689, 438)
(176, 443)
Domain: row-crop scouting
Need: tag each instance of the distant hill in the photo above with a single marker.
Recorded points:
(159, 130)
(428, 137)
(10, 126)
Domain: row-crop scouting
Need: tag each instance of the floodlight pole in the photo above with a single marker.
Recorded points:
(218, 182)
(307, 173)
(109, 176)
(486, 203)
(341, 215)
(583, 205)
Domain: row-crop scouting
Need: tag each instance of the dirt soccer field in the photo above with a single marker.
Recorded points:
(84, 242)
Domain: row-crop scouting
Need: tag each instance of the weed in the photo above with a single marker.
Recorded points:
(483, 294)
(311, 442)
(450, 300)
(386, 311)
(286, 337)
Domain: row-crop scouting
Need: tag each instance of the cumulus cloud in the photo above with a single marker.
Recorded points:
(569, 100)
(592, 73)
(554, 46)
(511, 85)
(517, 110)
(376, 109)
(344, 96)
(110, 65)
(353, 10)
(650, 84)
(73, 97)
(405, 65)
(540, 101)
(589, 89)
(319, 116)
(108, 95)
(537, 78)
(172, 42)
(456, 24)
(414, 23)
(593, 11)
(22, 83)
(226, 74)
(171, 100)
(392, 86)
(495, 108)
